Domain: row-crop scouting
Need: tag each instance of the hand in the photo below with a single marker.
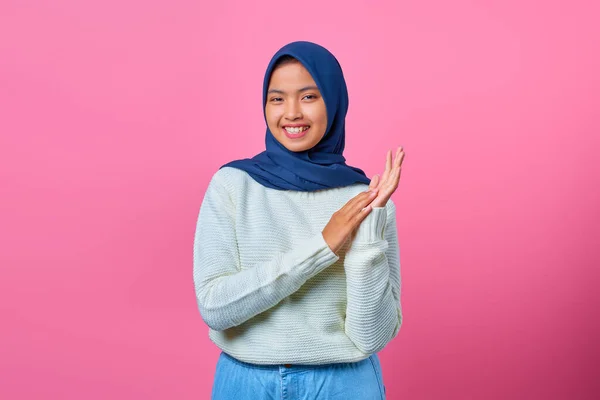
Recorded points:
(389, 180)
(345, 221)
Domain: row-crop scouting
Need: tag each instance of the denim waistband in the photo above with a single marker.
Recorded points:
(294, 367)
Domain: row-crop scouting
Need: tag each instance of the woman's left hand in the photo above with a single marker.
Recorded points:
(388, 183)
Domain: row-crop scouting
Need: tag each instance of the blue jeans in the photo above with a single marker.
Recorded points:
(237, 380)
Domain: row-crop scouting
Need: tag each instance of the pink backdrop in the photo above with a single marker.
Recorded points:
(114, 116)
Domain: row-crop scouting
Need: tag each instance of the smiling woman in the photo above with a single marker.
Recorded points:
(295, 110)
(296, 257)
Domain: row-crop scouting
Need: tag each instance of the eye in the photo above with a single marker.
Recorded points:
(276, 99)
(310, 97)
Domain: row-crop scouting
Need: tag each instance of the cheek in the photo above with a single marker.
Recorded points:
(319, 120)
(323, 118)
(319, 115)
(272, 116)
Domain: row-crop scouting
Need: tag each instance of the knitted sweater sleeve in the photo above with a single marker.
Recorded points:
(229, 293)
(372, 266)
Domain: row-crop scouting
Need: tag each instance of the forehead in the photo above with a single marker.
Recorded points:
(291, 74)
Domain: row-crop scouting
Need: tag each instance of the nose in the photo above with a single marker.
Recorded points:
(293, 111)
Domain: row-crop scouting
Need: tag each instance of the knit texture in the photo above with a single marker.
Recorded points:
(270, 288)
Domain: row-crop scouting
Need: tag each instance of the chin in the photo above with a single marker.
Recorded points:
(298, 145)
(296, 148)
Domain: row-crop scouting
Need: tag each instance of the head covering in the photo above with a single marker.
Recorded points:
(322, 166)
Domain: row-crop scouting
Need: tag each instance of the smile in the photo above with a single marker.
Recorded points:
(295, 132)
(296, 129)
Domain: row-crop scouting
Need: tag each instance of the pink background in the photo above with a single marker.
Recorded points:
(115, 114)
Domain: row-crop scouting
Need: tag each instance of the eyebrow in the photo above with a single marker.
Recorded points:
(299, 90)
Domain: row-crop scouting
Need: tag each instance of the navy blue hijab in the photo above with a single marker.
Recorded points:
(322, 166)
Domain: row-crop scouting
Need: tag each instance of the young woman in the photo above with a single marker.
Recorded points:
(296, 259)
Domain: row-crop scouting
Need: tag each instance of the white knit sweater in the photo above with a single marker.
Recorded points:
(270, 288)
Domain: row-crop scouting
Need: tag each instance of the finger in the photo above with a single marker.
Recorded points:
(359, 217)
(389, 183)
(361, 198)
(396, 174)
(399, 156)
(374, 182)
(388, 164)
(392, 181)
(361, 202)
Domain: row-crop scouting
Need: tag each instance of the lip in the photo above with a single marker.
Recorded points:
(294, 135)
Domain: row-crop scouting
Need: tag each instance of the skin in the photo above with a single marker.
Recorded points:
(388, 182)
(293, 99)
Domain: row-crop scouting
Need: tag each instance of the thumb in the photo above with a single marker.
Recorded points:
(374, 182)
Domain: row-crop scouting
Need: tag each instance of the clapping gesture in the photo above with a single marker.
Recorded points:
(345, 221)
(387, 184)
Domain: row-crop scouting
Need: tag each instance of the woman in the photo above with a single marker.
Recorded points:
(296, 259)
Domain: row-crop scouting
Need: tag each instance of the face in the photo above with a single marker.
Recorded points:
(295, 110)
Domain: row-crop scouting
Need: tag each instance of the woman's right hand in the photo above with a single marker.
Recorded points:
(347, 219)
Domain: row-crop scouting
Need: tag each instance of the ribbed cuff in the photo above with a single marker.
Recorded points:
(372, 229)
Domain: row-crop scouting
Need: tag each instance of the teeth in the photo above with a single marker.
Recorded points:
(296, 129)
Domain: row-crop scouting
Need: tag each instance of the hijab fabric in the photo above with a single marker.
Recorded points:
(322, 166)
